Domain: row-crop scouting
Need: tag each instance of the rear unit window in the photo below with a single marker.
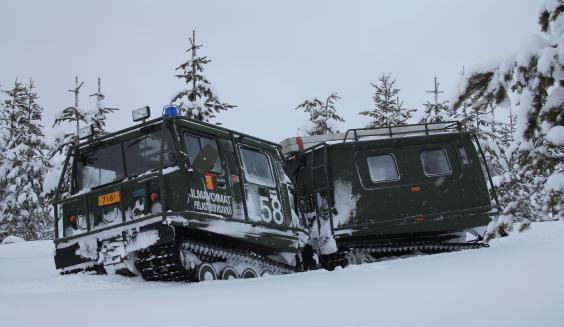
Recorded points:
(435, 162)
(463, 156)
(195, 144)
(257, 167)
(382, 168)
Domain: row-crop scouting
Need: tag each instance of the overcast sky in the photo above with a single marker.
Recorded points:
(267, 56)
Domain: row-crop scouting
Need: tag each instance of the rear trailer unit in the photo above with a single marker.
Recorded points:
(390, 191)
(176, 199)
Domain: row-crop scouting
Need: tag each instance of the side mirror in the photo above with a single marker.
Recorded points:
(206, 159)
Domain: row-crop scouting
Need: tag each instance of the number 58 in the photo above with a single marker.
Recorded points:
(271, 209)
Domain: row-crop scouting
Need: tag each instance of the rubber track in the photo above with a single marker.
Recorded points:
(393, 249)
(163, 263)
(237, 255)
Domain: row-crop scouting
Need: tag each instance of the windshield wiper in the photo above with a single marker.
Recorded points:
(138, 140)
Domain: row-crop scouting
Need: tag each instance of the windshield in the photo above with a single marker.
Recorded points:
(143, 153)
(100, 167)
(129, 158)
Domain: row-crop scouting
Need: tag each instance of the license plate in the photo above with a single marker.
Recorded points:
(107, 199)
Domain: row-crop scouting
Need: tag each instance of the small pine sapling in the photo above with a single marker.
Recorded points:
(388, 109)
(436, 111)
(199, 100)
(322, 114)
(100, 114)
(74, 116)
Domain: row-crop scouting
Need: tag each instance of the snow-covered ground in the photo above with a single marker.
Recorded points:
(518, 281)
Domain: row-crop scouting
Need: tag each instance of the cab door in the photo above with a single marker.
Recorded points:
(263, 197)
(209, 191)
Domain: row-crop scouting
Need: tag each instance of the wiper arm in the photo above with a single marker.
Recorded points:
(137, 141)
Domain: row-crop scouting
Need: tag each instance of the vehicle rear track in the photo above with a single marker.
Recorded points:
(364, 253)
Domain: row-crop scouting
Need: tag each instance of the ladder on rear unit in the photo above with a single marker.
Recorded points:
(321, 196)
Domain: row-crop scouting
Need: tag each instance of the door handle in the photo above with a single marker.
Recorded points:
(220, 182)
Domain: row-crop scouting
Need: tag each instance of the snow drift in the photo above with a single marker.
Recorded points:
(518, 281)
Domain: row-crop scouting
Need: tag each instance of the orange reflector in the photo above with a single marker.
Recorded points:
(416, 188)
(419, 218)
(209, 182)
(154, 197)
(72, 219)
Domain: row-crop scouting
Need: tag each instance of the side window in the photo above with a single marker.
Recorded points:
(382, 168)
(463, 156)
(257, 167)
(194, 144)
(435, 162)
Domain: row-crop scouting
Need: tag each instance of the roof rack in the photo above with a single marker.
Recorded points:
(301, 143)
(391, 131)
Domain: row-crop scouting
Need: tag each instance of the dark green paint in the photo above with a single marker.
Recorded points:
(390, 209)
(175, 183)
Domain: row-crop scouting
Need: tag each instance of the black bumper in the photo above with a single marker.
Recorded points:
(66, 253)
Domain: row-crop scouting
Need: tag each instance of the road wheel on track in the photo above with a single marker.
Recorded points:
(249, 273)
(267, 273)
(206, 272)
(229, 273)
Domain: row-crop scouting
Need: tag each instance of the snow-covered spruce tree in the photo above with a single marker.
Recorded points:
(198, 100)
(24, 209)
(388, 109)
(100, 113)
(436, 111)
(322, 114)
(477, 113)
(532, 85)
(404, 112)
(14, 98)
(3, 139)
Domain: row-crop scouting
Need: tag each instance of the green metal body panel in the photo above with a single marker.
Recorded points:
(219, 206)
(335, 179)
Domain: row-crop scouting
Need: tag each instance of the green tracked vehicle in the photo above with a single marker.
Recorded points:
(370, 193)
(176, 199)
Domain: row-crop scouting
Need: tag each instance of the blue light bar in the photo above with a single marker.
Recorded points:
(170, 111)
